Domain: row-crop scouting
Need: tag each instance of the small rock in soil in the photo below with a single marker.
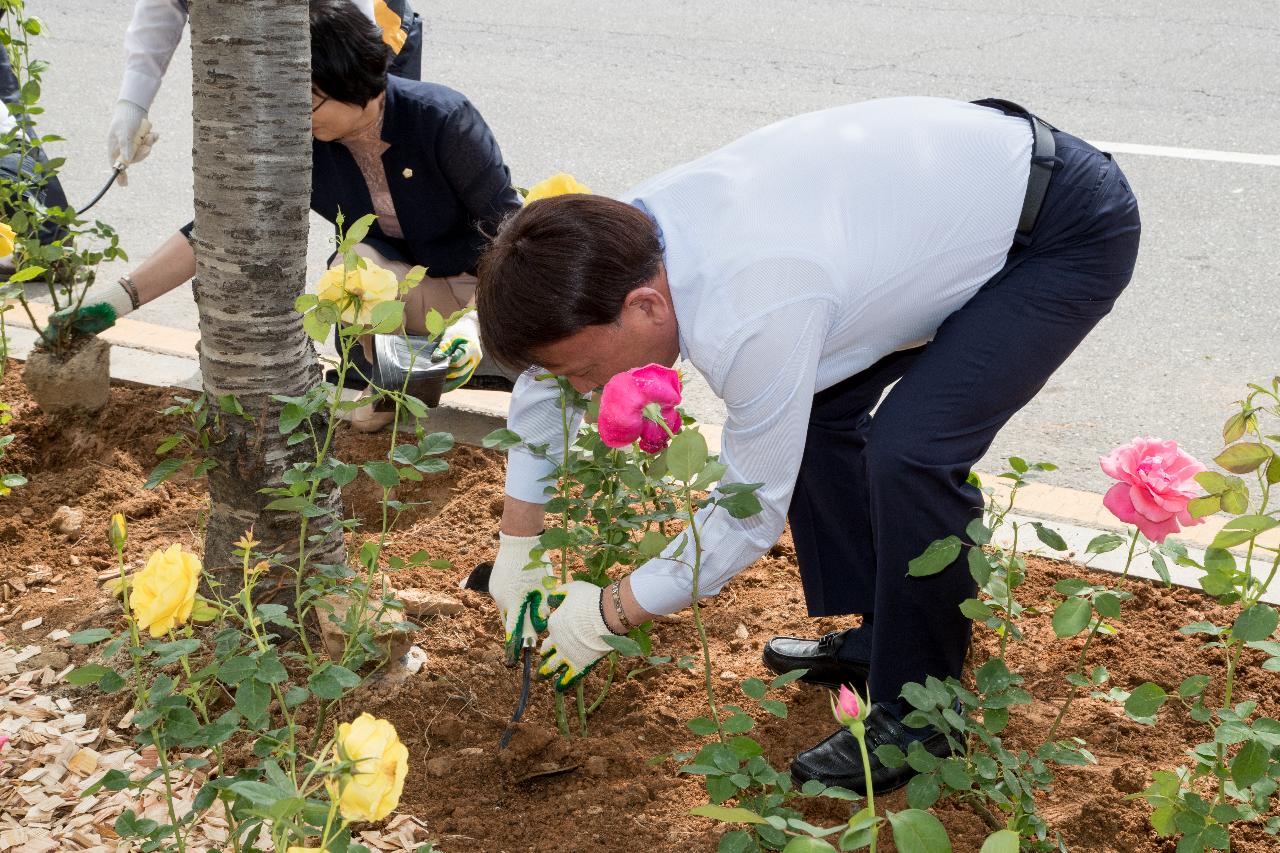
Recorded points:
(1129, 778)
(729, 675)
(67, 521)
(422, 602)
(741, 632)
(471, 751)
(439, 766)
(449, 730)
(597, 765)
(52, 658)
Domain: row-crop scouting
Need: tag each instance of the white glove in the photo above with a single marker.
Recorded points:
(129, 139)
(462, 342)
(113, 294)
(574, 631)
(522, 599)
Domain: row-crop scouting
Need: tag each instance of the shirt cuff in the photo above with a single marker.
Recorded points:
(526, 476)
(658, 592)
(139, 88)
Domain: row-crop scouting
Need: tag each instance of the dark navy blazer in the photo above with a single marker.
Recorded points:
(448, 182)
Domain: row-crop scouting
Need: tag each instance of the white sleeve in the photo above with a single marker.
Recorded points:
(768, 384)
(535, 416)
(149, 43)
(366, 6)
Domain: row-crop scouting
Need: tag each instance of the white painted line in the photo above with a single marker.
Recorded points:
(1189, 153)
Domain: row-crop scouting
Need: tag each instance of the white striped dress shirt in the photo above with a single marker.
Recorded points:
(798, 256)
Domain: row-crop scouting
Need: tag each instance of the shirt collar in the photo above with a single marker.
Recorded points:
(643, 208)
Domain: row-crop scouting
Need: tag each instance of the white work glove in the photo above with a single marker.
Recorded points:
(522, 598)
(461, 343)
(129, 139)
(113, 294)
(574, 631)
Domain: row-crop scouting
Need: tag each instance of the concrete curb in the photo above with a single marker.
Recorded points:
(158, 355)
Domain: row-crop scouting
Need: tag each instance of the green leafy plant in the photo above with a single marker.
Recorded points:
(1233, 776)
(249, 673)
(52, 244)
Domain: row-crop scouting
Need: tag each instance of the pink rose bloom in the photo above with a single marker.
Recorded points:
(1157, 481)
(623, 401)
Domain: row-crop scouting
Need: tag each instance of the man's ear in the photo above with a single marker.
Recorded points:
(650, 301)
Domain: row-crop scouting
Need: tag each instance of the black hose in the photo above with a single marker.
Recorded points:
(115, 173)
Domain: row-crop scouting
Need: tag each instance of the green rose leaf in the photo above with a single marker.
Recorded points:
(918, 831)
(92, 635)
(1104, 543)
(1254, 623)
(687, 455)
(727, 815)
(1050, 537)
(805, 844)
(1071, 617)
(1250, 764)
(1004, 841)
(501, 439)
(1144, 702)
(940, 554)
(1243, 457)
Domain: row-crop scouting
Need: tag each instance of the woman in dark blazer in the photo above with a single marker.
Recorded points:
(416, 154)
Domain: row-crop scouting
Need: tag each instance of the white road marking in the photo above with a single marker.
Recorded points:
(1189, 153)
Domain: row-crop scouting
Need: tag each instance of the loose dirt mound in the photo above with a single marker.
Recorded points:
(598, 793)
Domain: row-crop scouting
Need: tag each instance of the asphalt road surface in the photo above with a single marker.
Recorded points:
(615, 92)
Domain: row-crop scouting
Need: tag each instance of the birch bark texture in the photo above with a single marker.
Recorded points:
(251, 72)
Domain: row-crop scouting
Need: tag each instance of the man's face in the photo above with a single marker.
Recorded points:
(645, 333)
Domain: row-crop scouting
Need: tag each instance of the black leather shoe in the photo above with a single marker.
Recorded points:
(838, 761)
(787, 654)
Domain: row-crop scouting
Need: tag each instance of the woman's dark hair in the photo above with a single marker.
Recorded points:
(348, 56)
(557, 266)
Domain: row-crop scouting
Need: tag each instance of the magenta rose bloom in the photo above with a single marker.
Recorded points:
(1157, 481)
(623, 401)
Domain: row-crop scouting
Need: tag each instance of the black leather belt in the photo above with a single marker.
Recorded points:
(1042, 159)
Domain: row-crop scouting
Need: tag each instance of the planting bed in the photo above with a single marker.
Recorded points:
(600, 793)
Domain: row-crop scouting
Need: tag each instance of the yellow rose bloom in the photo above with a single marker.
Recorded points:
(162, 594)
(370, 286)
(304, 850)
(7, 239)
(558, 184)
(381, 763)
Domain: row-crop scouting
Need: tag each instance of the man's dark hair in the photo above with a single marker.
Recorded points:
(348, 56)
(557, 266)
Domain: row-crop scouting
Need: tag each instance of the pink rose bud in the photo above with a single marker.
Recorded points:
(848, 706)
(1157, 481)
(4, 741)
(622, 407)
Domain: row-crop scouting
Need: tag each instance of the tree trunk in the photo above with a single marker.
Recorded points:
(251, 63)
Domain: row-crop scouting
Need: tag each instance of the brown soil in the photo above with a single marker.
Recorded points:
(597, 793)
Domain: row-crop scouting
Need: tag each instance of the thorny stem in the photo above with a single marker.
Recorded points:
(161, 749)
(697, 613)
(1008, 586)
(608, 682)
